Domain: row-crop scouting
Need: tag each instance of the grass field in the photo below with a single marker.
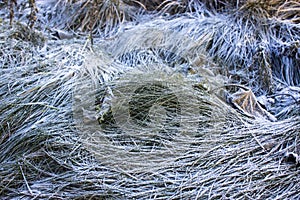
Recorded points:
(163, 99)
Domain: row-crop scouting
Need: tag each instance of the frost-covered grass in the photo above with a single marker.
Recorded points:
(154, 108)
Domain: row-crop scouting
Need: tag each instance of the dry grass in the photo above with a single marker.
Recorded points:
(98, 17)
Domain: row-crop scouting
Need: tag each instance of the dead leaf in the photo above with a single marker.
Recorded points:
(246, 102)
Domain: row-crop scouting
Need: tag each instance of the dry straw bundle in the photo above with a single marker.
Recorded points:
(202, 104)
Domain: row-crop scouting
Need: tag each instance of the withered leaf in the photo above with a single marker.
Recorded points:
(246, 102)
